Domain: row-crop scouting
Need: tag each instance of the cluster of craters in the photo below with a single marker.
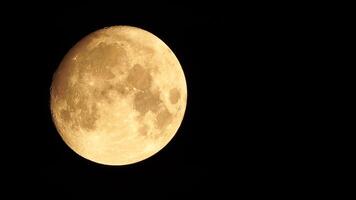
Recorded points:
(102, 64)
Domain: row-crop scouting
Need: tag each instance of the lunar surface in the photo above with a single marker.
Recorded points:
(118, 96)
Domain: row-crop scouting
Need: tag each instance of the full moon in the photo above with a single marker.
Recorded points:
(118, 96)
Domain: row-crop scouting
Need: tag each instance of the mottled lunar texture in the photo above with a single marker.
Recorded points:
(118, 96)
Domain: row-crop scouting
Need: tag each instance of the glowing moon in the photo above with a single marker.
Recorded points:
(118, 96)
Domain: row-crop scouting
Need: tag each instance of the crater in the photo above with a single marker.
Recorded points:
(139, 77)
(174, 95)
(147, 100)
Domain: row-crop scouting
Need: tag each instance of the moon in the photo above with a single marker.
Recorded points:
(118, 96)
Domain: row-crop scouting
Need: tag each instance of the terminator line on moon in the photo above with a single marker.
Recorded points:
(118, 96)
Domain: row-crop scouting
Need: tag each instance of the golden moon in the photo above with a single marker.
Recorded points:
(118, 96)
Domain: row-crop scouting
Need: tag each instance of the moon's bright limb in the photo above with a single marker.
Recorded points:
(118, 96)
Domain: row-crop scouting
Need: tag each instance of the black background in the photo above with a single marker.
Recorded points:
(237, 134)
